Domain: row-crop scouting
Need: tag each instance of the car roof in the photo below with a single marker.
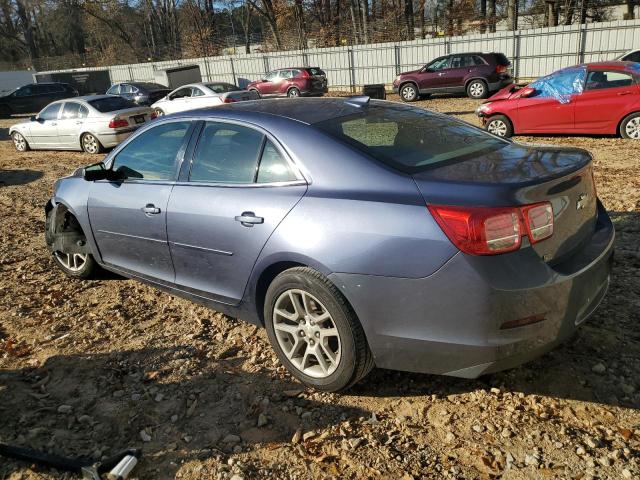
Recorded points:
(305, 110)
(147, 85)
(83, 98)
(610, 64)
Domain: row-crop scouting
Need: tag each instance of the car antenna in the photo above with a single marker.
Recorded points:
(358, 100)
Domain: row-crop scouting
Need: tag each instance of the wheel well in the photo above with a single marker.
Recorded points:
(466, 85)
(617, 132)
(408, 81)
(62, 224)
(265, 279)
(291, 87)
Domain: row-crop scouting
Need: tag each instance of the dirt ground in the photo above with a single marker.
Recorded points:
(92, 367)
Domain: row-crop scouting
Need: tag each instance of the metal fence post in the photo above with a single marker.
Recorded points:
(580, 48)
(305, 59)
(516, 54)
(265, 60)
(352, 70)
(130, 73)
(233, 71)
(396, 49)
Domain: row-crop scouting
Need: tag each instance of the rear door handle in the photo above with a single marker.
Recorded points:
(150, 209)
(441, 73)
(249, 219)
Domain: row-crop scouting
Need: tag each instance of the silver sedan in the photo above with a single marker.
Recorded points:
(201, 95)
(90, 123)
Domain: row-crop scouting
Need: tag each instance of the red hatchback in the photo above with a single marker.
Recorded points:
(291, 82)
(595, 98)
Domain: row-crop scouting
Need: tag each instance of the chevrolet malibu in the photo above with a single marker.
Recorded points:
(358, 232)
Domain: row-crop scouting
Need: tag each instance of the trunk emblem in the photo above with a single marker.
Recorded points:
(582, 199)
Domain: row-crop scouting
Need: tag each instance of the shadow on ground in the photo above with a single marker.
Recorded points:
(109, 399)
(18, 177)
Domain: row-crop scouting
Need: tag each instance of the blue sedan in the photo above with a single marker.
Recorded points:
(357, 232)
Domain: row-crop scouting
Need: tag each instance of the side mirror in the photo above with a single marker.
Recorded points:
(97, 171)
(33, 118)
(527, 92)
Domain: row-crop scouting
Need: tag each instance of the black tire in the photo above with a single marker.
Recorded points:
(630, 126)
(500, 126)
(19, 142)
(90, 143)
(5, 111)
(355, 361)
(477, 89)
(409, 92)
(293, 92)
(89, 268)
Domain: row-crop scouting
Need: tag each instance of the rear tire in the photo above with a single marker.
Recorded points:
(20, 142)
(409, 92)
(314, 332)
(477, 89)
(630, 126)
(293, 92)
(500, 126)
(90, 143)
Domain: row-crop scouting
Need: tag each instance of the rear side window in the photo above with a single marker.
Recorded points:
(315, 71)
(152, 155)
(111, 104)
(599, 80)
(501, 59)
(50, 112)
(226, 153)
(222, 87)
(70, 110)
(274, 167)
(410, 139)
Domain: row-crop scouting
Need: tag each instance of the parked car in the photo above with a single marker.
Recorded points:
(596, 98)
(476, 74)
(291, 82)
(140, 93)
(90, 123)
(33, 97)
(320, 258)
(200, 95)
(630, 56)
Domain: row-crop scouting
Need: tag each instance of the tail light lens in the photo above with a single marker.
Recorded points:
(229, 100)
(491, 231)
(118, 123)
(501, 69)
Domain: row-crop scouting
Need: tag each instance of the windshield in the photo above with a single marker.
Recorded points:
(111, 104)
(222, 87)
(410, 139)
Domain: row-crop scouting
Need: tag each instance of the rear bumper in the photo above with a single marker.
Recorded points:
(449, 323)
(500, 84)
(114, 138)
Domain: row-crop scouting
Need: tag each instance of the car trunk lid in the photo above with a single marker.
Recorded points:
(133, 117)
(521, 175)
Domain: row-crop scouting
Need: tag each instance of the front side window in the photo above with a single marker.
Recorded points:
(439, 64)
(70, 110)
(114, 90)
(633, 57)
(24, 92)
(50, 112)
(271, 76)
(599, 80)
(226, 153)
(274, 167)
(152, 155)
(410, 139)
(125, 88)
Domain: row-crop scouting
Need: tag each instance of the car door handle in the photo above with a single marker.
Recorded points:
(249, 219)
(150, 209)
(441, 73)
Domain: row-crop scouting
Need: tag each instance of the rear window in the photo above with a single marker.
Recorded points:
(410, 139)
(222, 87)
(111, 104)
(502, 59)
(315, 71)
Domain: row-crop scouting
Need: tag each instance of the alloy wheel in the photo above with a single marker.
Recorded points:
(306, 333)
(72, 261)
(632, 128)
(90, 143)
(408, 93)
(19, 142)
(497, 127)
(476, 89)
(294, 92)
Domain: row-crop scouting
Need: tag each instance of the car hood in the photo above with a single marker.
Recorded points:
(410, 72)
(507, 93)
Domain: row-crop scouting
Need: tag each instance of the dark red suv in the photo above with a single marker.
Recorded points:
(291, 82)
(476, 74)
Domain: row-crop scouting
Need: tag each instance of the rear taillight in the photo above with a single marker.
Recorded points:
(501, 69)
(229, 100)
(118, 123)
(491, 230)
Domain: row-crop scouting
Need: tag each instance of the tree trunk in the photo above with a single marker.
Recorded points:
(302, 34)
(408, 17)
(422, 27)
(336, 23)
(492, 16)
(512, 19)
(354, 21)
(483, 16)
(365, 20)
(630, 10)
(28, 31)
